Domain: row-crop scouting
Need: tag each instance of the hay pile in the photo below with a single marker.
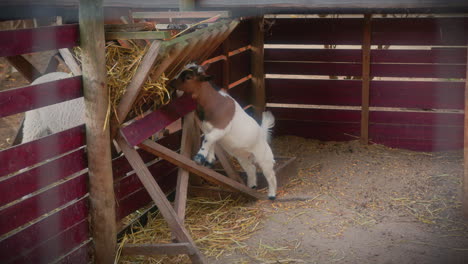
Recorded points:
(122, 63)
(217, 227)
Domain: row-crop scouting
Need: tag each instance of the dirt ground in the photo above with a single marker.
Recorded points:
(361, 204)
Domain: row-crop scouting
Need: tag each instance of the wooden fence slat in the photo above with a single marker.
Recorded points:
(435, 55)
(415, 94)
(420, 31)
(30, 97)
(322, 92)
(307, 68)
(131, 183)
(39, 232)
(159, 119)
(317, 55)
(24, 155)
(39, 177)
(21, 41)
(33, 207)
(140, 198)
(377, 70)
(54, 248)
(417, 118)
(418, 132)
(419, 70)
(325, 131)
(81, 255)
(317, 115)
(345, 31)
(120, 165)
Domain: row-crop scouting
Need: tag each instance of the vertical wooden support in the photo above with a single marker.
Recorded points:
(258, 75)
(465, 150)
(101, 189)
(366, 47)
(183, 175)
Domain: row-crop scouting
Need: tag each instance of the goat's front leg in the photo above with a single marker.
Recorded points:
(205, 155)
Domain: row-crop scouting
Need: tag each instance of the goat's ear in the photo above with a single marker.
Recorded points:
(206, 78)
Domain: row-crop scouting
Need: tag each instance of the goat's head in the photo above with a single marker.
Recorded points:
(190, 79)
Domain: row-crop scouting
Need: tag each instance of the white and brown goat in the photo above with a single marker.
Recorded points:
(225, 122)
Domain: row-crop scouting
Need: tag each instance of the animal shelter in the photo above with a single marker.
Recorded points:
(392, 73)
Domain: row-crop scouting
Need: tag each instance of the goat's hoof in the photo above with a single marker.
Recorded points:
(199, 159)
(272, 198)
(209, 165)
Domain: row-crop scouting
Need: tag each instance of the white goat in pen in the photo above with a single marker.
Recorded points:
(53, 118)
(225, 122)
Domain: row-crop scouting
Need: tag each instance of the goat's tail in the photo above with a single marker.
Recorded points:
(268, 122)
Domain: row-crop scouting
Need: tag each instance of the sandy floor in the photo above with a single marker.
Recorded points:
(366, 205)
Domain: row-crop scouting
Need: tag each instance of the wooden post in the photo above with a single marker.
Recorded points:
(101, 189)
(258, 75)
(465, 150)
(366, 47)
(188, 124)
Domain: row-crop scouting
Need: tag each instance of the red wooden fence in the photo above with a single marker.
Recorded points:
(393, 127)
(44, 209)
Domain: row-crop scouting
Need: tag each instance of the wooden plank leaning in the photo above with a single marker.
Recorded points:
(159, 198)
(205, 173)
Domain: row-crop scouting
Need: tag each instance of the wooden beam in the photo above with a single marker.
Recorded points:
(465, 150)
(258, 74)
(138, 35)
(27, 70)
(150, 184)
(70, 61)
(134, 87)
(180, 15)
(183, 175)
(223, 158)
(366, 49)
(101, 188)
(201, 171)
(158, 249)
